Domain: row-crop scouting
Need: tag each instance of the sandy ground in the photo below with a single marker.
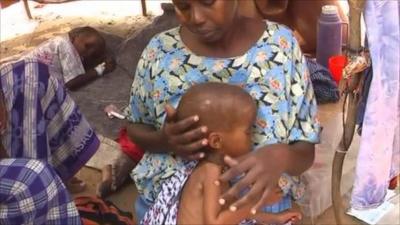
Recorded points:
(19, 34)
(121, 18)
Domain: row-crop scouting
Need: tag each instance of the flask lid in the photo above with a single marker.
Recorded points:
(329, 9)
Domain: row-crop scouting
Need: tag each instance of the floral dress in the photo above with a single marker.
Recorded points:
(273, 71)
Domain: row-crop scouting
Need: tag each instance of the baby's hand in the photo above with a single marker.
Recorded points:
(110, 65)
(289, 217)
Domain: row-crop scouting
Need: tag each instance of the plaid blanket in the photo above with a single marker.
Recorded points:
(32, 193)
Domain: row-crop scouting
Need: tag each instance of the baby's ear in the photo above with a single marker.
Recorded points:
(215, 140)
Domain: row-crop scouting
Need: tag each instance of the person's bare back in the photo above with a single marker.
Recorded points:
(192, 198)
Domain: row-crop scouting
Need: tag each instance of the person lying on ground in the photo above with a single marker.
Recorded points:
(69, 54)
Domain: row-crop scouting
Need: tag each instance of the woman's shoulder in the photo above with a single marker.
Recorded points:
(273, 29)
(165, 39)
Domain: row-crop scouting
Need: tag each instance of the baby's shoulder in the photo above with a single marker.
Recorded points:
(209, 169)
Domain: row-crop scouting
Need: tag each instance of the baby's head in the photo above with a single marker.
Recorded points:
(228, 112)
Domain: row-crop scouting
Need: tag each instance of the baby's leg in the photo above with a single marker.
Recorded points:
(285, 217)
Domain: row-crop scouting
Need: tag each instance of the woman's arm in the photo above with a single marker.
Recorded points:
(294, 158)
(147, 137)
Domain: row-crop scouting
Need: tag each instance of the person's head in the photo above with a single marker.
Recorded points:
(210, 20)
(228, 112)
(88, 42)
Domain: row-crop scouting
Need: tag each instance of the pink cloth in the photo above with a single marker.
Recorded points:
(379, 156)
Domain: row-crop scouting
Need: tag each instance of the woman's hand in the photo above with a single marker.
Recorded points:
(180, 139)
(261, 169)
(110, 65)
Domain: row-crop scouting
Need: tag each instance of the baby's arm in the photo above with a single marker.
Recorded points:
(213, 213)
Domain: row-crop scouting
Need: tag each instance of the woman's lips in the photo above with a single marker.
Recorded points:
(204, 33)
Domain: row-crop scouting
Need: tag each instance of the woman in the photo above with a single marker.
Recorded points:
(43, 121)
(31, 192)
(210, 46)
(379, 155)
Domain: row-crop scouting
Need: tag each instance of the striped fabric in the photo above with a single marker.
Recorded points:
(43, 121)
(32, 193)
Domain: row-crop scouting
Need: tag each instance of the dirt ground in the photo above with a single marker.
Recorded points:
(123, 26)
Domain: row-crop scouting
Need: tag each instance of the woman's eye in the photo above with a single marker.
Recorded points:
(208, 2)
(182, 5)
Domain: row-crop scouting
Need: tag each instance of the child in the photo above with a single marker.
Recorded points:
(191, 197)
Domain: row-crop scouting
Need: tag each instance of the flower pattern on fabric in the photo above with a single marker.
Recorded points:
(272, 71)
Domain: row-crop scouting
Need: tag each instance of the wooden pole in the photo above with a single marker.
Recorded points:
(144, 8)
(356, 8)
(27, 10)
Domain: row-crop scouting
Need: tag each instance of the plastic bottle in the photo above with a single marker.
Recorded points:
(329, 34)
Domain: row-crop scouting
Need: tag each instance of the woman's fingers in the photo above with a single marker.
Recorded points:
(231, 162)
(171, 113)
(191, 148)
(191, 136)
(243, 184)
(247, 199)
(181, 126)
(262, 200)
(238, 168)
(196, 156)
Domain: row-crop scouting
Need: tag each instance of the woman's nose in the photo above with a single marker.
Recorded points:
(197, 17)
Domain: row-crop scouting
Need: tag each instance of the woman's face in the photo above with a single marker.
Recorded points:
(207, 19)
